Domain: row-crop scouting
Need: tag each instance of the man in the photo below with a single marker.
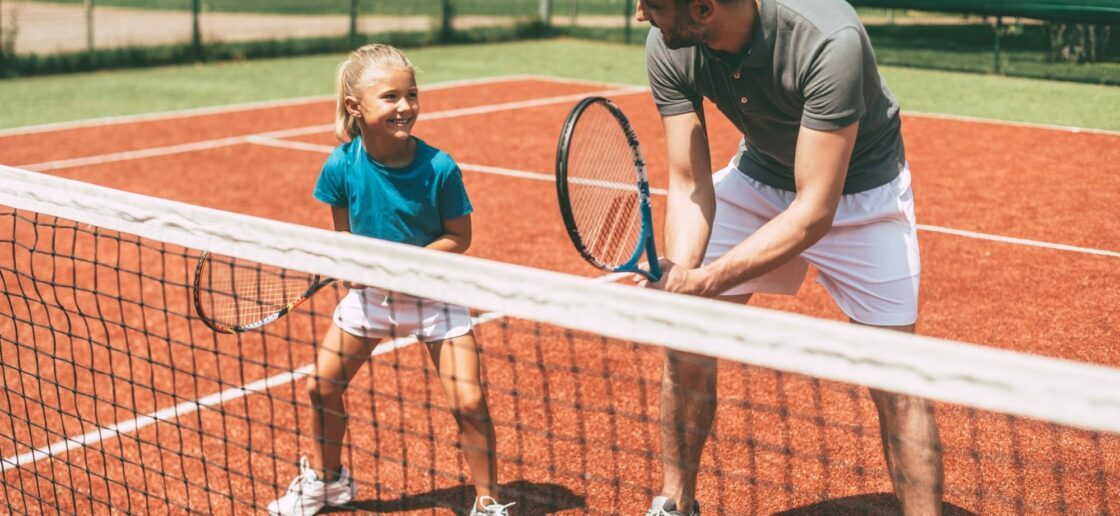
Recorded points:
(821, 177)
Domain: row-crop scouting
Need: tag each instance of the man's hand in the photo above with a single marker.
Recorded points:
(676, 279)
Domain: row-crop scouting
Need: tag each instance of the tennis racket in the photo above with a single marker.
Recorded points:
(232, 295)
(603, 189)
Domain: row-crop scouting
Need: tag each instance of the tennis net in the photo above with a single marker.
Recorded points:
(117, 398)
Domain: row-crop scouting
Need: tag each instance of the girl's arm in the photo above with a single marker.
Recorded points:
(341, 218)
(456, 237)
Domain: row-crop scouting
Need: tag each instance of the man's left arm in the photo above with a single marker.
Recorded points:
(820, 168)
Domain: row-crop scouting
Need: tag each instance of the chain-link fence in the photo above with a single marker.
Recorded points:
(44, 36)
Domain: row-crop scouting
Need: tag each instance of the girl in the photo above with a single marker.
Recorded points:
(385, 183)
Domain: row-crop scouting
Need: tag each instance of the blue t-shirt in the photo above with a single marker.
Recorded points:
(406, 205)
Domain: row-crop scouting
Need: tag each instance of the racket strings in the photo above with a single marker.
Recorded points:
(602, 187)
(237, 293)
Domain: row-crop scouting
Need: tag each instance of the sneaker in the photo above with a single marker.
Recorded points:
(307, 494)
(490, 507)
(665, 506)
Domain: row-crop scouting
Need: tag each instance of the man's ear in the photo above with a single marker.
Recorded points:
(702, 10)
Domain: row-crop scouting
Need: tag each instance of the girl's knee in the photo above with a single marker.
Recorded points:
(468, 402)
(320, 389)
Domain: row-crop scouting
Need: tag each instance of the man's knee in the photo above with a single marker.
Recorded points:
(895, 405)
(689, 367)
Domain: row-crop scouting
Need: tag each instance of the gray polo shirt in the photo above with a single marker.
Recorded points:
(810, 63)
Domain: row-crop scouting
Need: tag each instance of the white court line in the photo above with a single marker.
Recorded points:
(248, 106)
(1030, 125)
(168, 414)
(302, 131)
(539, 176)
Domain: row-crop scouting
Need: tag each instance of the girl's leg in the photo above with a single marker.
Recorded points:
(458, 364)
(341, 355)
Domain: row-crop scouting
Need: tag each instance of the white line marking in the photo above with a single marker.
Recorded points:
(539, 176)
(168, 414)
(246, 106)
(303, 131)
(1017, 241)
(1030, 125)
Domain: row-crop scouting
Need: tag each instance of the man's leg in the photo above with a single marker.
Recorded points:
(688, 408)
(912, 447)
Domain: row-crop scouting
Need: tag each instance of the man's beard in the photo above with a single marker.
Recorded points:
(684, 34)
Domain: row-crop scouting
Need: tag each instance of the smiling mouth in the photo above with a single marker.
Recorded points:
(400, 122)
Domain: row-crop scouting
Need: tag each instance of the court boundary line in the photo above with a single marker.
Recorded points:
(275, 103)
(540, 176)
(1011, 123)
(295, 101)
(180, 148)
(169, 414)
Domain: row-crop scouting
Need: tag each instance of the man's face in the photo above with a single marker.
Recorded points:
(677, 27)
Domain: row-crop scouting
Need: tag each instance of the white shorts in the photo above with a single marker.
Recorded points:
(868, 261)
(376, 313)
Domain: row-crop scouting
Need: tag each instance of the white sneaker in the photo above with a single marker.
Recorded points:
(307, 494)
(490, 507)
(665, 506)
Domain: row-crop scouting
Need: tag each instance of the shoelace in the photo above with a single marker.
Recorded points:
(494, 508)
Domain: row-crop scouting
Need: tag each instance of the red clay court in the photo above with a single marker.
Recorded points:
(1019, 251)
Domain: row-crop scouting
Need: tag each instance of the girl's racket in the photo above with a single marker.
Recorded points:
(603, 189)
(232, 295)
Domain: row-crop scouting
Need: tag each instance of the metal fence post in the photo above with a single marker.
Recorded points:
(89, 25)
(353, 23)
(999, 33)
(627, 15)
(445, 14)
(545, 12)
(196, 32)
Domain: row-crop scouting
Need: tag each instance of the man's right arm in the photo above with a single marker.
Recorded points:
(691, 201)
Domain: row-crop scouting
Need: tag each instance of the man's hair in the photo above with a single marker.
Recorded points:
(684, 3)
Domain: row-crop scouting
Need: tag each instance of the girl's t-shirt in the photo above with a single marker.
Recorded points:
(406, 205)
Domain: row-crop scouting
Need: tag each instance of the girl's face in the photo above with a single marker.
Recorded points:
(388, 104)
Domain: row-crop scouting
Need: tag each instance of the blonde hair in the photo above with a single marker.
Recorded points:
(348, 81)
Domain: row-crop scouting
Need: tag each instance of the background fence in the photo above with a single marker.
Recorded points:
(48, 36)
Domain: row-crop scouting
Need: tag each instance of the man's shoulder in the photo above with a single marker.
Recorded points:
(823, 16)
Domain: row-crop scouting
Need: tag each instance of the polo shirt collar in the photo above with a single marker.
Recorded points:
(761, 53)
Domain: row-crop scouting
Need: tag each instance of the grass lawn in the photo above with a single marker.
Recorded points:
(47, 99)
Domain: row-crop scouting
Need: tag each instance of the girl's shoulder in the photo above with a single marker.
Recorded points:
(343, 155)
(438, 159)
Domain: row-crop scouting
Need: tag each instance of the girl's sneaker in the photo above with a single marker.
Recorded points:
(490, 507)
(307, 494)
(665, 506)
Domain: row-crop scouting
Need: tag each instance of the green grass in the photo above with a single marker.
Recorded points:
(41, 100)
(526, 8)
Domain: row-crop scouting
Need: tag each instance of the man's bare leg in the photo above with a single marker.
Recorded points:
(688, 408)
(912, 447)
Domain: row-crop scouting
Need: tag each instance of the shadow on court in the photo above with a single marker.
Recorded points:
(531, 497)
(868, 504)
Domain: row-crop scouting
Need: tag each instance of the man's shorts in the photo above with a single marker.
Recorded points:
(376, 313)
(868, 261)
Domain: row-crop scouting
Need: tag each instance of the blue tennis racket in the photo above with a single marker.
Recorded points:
(603, 189)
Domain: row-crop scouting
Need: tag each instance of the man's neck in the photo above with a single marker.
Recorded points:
(736, 29)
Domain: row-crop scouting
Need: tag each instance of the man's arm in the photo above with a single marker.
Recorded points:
(821, 165)
(691, 201)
